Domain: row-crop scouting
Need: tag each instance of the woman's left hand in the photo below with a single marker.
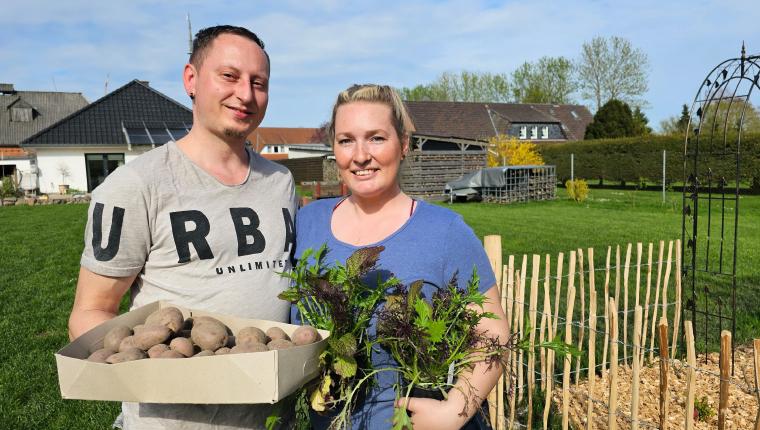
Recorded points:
(433, 414)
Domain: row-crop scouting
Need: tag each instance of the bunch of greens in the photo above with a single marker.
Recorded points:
(434, 341)
(336, 298)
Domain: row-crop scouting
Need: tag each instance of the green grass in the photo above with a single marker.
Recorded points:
(39, 260)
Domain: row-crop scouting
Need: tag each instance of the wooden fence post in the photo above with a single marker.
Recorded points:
(677, 316)
(606, 314)
(691, 380)
(515, 332)
(492, 245)
(568, 340)
(626, 270)
(646, 306)
(656, 298)
(664, 365)
(591, 341)
(756, 350)
(558, 289)
(582, 320)
(544, 318)
(520, 354)
(666, 280)
(635, 378)
(532, 311)
(612, 413)
(725, 377)
(500, 392)
(548, 374)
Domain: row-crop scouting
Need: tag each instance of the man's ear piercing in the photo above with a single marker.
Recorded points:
(192, 96)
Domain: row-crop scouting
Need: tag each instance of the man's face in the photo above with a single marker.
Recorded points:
(231, 87)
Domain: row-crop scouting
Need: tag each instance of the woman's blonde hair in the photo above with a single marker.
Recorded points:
(374, 93)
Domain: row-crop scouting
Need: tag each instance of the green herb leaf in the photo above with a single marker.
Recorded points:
(401, 420)
(345, 366)
(436, 330)
(363, 260)
(290, 295)
(344, 345)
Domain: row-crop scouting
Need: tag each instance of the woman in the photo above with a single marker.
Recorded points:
(370, 138)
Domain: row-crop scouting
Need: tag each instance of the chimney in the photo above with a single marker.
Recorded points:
(146, 83)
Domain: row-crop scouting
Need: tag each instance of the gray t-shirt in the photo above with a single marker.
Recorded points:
(197, 243)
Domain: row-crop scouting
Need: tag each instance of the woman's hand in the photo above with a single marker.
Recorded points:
(433, 414)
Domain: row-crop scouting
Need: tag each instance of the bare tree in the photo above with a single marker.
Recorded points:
(549, 80)
(612, 69)
(462, 87)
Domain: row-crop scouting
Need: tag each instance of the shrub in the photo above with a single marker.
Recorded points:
(577, 189)
(505, 150)
(7, 188)
(703, 410)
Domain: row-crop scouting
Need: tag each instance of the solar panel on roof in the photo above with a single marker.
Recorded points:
(138, 136)
(160, 135)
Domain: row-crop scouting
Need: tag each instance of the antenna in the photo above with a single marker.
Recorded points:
(189, 36)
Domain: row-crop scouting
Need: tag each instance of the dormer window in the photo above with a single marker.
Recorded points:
(534, 132)
(545, 132)
(523, 132)
(21, 114)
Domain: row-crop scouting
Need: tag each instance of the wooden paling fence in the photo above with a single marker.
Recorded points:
(651, 275)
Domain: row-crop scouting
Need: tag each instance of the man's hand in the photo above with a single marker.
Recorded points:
(97, 300)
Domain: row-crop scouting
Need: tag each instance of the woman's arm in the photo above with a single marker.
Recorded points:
(472, 386)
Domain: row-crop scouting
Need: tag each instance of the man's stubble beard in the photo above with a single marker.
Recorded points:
(234, 133)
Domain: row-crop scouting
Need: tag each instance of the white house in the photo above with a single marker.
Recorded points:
(80, 150)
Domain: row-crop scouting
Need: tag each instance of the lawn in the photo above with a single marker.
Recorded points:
(39, 260)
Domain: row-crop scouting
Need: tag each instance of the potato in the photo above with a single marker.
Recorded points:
(130, 354)
(137, 328)
(203, 319)
(279, 344)
(156, 350)
(170, 317)
(151, 335)
(204, 353)
(170, 353)
(250, 335)
(209, 335)
(275, 333)
(183, 346)
(305, 335)
(127, 343)
(223, 350)
(249, 347)
(114, 337)
(101, 355)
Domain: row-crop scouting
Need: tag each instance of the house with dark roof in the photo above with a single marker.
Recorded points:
(24, 113)
(450, 139)
(81, 149)
(283, 143)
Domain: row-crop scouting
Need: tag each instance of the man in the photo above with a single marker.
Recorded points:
(203, 222)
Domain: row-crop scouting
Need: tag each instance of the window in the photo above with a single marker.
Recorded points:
(523, 132)
(534, 132)
(99, 166)
(545, 132)
(21, 114)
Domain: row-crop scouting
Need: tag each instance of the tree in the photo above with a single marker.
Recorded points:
(612, 69)
(508, 151)
(641, 123)
(461, 87)
(674, 125)
(549, 80)
(614, 119)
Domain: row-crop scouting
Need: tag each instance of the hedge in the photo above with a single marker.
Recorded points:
(632, 159)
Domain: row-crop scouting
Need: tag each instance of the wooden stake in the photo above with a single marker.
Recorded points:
(606, 313)
(612, 413)
(520, 354)
(549, 370)
(513, 362)
(568, 340)
(677, 316)
(617, 275)
(639, 253)
(492, 245)
(664, 365)
(508, 306)
(532, 309)
(656, 299)
(500, 393)
(636, 379)
(725, 377)
(646, 304)
(625, 304)
(558, 289)
(591, 341)
(666, 281)
(583, 314)
(544, 319)
(756, 350)
(691, 381)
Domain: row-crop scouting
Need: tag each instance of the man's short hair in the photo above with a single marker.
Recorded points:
(206, 36)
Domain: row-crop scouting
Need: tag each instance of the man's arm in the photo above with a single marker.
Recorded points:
(97, 300)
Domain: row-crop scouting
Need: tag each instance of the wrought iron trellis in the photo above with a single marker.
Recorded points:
(712, 178)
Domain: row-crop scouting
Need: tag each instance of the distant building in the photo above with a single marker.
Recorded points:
(22, 114)
(282, 143)
(95, 140)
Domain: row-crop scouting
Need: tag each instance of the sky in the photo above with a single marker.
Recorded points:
(320, 47)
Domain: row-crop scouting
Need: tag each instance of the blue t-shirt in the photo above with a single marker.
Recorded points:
(432, 245)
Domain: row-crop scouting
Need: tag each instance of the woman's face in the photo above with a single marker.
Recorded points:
(367, 149)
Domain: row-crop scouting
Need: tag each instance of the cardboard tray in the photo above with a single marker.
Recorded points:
(261, 377)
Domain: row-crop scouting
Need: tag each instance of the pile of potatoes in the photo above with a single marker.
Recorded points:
(167, 334)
